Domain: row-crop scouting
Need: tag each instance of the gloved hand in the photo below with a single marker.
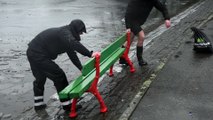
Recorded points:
(167, 23)
(91, 53)
(94, 54)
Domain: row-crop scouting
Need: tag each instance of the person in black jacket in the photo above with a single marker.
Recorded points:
(44, 48)
(136, 15)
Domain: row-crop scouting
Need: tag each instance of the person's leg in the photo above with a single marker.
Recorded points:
(38, 86)
(38, 89)
(138, 31)
(43, 67)
(139, 48)
(57, 75)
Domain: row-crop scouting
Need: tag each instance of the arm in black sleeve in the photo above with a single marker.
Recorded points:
(66, 39)
(162, 7)
(81, 48)
(74, 58)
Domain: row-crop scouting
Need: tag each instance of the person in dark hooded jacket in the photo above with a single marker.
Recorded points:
(44, 48)
(136, 14)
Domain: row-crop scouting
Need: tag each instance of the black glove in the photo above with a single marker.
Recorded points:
(91, 53)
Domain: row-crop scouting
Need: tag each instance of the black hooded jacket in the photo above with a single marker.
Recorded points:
(54, 41)
(140, 9)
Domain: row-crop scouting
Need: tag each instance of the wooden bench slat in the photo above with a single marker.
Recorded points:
(88, 67)
(79, 90)
(65, 92)
(111, 60)
(112, 48)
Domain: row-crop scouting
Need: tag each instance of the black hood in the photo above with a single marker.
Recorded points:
(77, 27)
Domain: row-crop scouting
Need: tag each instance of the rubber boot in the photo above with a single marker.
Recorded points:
(122, 60)
(40, 107)
(139, 52)
(67, 108)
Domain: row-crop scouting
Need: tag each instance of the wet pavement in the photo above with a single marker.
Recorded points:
(183, 88)
(20, 21)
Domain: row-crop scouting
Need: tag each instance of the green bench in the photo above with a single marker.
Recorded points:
(93, 69)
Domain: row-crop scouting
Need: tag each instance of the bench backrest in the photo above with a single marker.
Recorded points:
(82, 83)
(89, 66)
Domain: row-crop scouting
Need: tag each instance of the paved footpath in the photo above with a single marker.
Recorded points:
(183, 88)
(176, 85)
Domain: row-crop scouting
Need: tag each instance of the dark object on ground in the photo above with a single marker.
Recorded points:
(68, 108)
(142, 62)
(123, 61)
(201, 42)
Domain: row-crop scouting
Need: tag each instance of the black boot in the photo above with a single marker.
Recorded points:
(67, 108)
(122, 60)
(40, 107)
(139, 52)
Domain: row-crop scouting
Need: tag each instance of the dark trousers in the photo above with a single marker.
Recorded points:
(42, 68)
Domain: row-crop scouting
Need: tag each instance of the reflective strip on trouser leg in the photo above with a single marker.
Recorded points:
(65, 103)
(39, 104)
(39, 100)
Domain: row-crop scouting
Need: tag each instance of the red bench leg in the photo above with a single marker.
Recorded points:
(93, 88)
(73, 113)
(126, 52)
(132, 69)
(96, 93)
(111, 71)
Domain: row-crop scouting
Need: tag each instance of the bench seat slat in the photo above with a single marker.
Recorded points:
(80, 89)
(111, 60)
(65, 92)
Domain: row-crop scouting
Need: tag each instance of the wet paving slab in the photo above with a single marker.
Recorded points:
(182, 90)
